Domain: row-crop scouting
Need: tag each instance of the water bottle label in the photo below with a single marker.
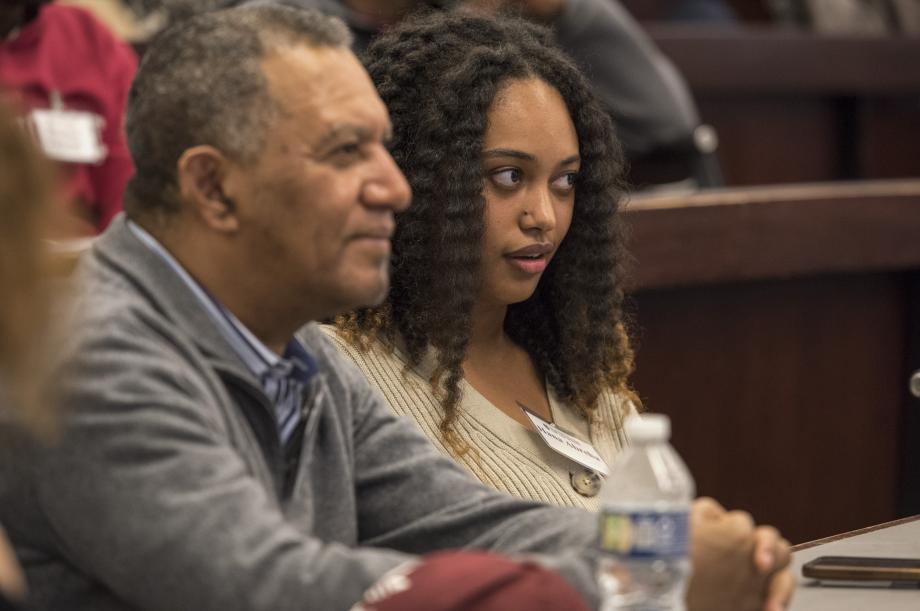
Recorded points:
(645, 534)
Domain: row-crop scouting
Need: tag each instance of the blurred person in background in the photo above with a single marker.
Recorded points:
(24, 208)
(849, 17)
(701, 11)
(652, 109)
(122, 19)
(68, 77)
(167, 12)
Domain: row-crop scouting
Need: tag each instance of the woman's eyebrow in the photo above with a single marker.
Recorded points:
(570, 160)
(508, 153)
(527, 156)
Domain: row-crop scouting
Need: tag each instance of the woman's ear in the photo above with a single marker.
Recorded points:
(201, 173)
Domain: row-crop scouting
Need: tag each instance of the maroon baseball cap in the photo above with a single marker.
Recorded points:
(471, 581)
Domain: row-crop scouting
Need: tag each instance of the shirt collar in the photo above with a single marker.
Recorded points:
(296, 362)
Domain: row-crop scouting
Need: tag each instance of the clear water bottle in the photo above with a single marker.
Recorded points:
(645, 522)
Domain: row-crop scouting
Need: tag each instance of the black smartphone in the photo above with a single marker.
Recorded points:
(863, 568)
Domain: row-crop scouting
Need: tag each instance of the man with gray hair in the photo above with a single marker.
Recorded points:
(210, 460)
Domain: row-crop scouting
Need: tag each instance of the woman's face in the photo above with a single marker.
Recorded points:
(529, 161)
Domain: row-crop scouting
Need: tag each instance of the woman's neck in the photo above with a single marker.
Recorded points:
(503, 372)
(487, 334)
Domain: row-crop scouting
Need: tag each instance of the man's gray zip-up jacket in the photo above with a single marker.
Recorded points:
(167, 490)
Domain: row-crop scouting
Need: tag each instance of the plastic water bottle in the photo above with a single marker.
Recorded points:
(645, 522)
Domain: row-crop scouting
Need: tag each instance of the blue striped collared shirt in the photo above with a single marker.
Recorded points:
(284, 379)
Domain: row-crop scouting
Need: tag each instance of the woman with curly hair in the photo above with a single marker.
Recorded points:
(506, 277)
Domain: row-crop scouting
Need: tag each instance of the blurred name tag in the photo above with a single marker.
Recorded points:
(569, 446)
(71, 136)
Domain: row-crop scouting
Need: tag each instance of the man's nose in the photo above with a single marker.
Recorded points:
(388, 187)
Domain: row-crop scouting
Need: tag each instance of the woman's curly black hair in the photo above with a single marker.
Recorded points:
(438, 74)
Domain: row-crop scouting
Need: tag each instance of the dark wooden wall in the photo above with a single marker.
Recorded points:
(790, 106)
(774, 326)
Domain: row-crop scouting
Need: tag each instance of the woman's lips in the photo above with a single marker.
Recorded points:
(532, 250)
(529, 265)
(531, 259)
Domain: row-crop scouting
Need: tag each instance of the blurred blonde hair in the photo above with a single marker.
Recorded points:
(26, 187)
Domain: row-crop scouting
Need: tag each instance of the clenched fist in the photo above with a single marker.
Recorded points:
(736, 566)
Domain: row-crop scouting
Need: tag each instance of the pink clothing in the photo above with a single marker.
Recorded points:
(68, 51)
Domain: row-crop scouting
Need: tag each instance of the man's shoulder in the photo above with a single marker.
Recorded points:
(385, 364)
(345, 376)
(372, 355)
(316, 341)
(325, 347)
(102, 294)
(110, 312)
(338, 338)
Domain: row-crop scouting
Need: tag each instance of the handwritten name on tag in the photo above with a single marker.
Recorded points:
(569, 446)
(71, 136)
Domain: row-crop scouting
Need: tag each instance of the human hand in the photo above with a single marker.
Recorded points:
(772, 555)
(545, 11)
(736, 567)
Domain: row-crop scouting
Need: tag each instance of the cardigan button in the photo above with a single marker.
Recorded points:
(586, 483)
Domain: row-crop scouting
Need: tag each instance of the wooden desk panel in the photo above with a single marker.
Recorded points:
(773, 327)
(889, 134)
(733, 235)
(856, 533)
(784, 395)
(766, 140)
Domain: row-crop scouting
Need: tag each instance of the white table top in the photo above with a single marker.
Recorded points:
(897, 541)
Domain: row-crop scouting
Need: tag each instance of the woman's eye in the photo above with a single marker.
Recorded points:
(566, 182)
(508, 177)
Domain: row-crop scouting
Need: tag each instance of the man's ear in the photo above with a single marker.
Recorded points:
(201, 173)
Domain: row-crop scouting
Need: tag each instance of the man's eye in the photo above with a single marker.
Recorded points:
(566, 182)
(350, 148)
(509, 177)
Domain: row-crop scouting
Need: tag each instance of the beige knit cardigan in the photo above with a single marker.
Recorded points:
(507, 456)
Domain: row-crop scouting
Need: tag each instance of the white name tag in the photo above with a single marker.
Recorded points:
(569, 446)
(71, 136)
